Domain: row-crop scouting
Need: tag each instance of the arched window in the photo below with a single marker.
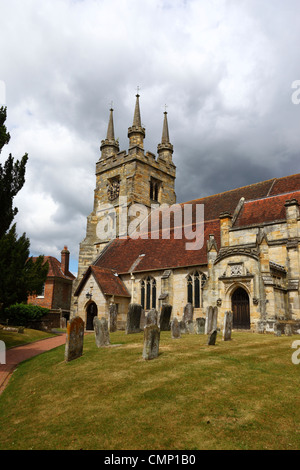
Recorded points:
(195, 284)
(148, 293)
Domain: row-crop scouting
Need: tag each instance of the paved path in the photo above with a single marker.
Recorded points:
(20, 353)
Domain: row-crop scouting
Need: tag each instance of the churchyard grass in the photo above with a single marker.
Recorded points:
(240, 394)
(12, 339)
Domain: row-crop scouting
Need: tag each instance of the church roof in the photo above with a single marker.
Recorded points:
(263, 202)
(107, 280)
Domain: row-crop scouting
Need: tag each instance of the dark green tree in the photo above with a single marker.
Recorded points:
(12, 178)
(19, 275)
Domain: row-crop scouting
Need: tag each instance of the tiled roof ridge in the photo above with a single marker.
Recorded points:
(271, 196)
(271, 180)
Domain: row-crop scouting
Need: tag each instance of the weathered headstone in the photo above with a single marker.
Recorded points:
(200, 326)
(165, 316)
(228, 318)
(133, 318)
(152, 317)
(190, 327)
(182, 326)
(175, 328)
(212, 338)
(101, 332)
(2, 352)
(215, 318)
(209, 317)
(288, 330)
(74, 339)
(151, 342)
(188, 312)
(113, 314)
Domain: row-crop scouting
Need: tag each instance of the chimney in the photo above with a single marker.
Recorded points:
(65, 256)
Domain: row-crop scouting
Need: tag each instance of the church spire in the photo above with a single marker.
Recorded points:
(136, 132)
(109, 146)
(165, 148)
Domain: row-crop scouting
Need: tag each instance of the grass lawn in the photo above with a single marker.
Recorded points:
(12, 339)
(242, 394)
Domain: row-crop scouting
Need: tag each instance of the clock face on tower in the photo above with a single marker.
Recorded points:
(113, 189)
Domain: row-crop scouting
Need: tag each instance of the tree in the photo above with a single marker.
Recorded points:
(20, 276)
(12, 178)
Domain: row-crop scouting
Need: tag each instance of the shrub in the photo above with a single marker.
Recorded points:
(22, 314)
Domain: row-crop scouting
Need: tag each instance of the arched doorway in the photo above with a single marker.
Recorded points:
(91, 312)
(240, 309)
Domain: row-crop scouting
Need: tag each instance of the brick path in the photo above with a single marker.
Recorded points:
(20, 353)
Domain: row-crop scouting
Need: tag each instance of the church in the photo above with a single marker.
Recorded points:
(247, 258)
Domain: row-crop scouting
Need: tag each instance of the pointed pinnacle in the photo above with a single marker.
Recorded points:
(165, 133)
(137, 114)
(110, 130)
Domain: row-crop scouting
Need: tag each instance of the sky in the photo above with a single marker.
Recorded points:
(225, 69)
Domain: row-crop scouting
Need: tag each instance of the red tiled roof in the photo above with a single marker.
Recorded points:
(264, 210)
(55, 268)
(107, 280)
(125, 255)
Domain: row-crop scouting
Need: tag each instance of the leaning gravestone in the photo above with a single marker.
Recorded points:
(133, 318)
(211, 319)
(101, 332)
(151, 341)
(188, 313)
(227, 326)
(212, 338)
(200, 326)
(152, 317)
(74, 339)
(175, 329)
(165, 315)
(113, 313)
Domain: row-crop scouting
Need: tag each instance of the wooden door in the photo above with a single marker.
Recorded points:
(240, 309)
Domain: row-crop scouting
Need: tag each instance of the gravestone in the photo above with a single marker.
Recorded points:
(175, 329)
(188, 312)
(101, 332)
(165, 316)
(152, 317)
(151, 342)
(74, 339)
(133, 318)
(288, 330)
(113, 314)
(2, 352)
(211, 319)
(182, 326)
(228, 318)
(212, 338)
(200, 326)
(190, 327)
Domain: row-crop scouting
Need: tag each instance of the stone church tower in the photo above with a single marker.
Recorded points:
(123, 179)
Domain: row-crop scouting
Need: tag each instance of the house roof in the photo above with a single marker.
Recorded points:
(107, 280)
(264, 202)
(55, 269)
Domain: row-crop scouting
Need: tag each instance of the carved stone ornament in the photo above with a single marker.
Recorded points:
(219, 302)
(113, 190)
